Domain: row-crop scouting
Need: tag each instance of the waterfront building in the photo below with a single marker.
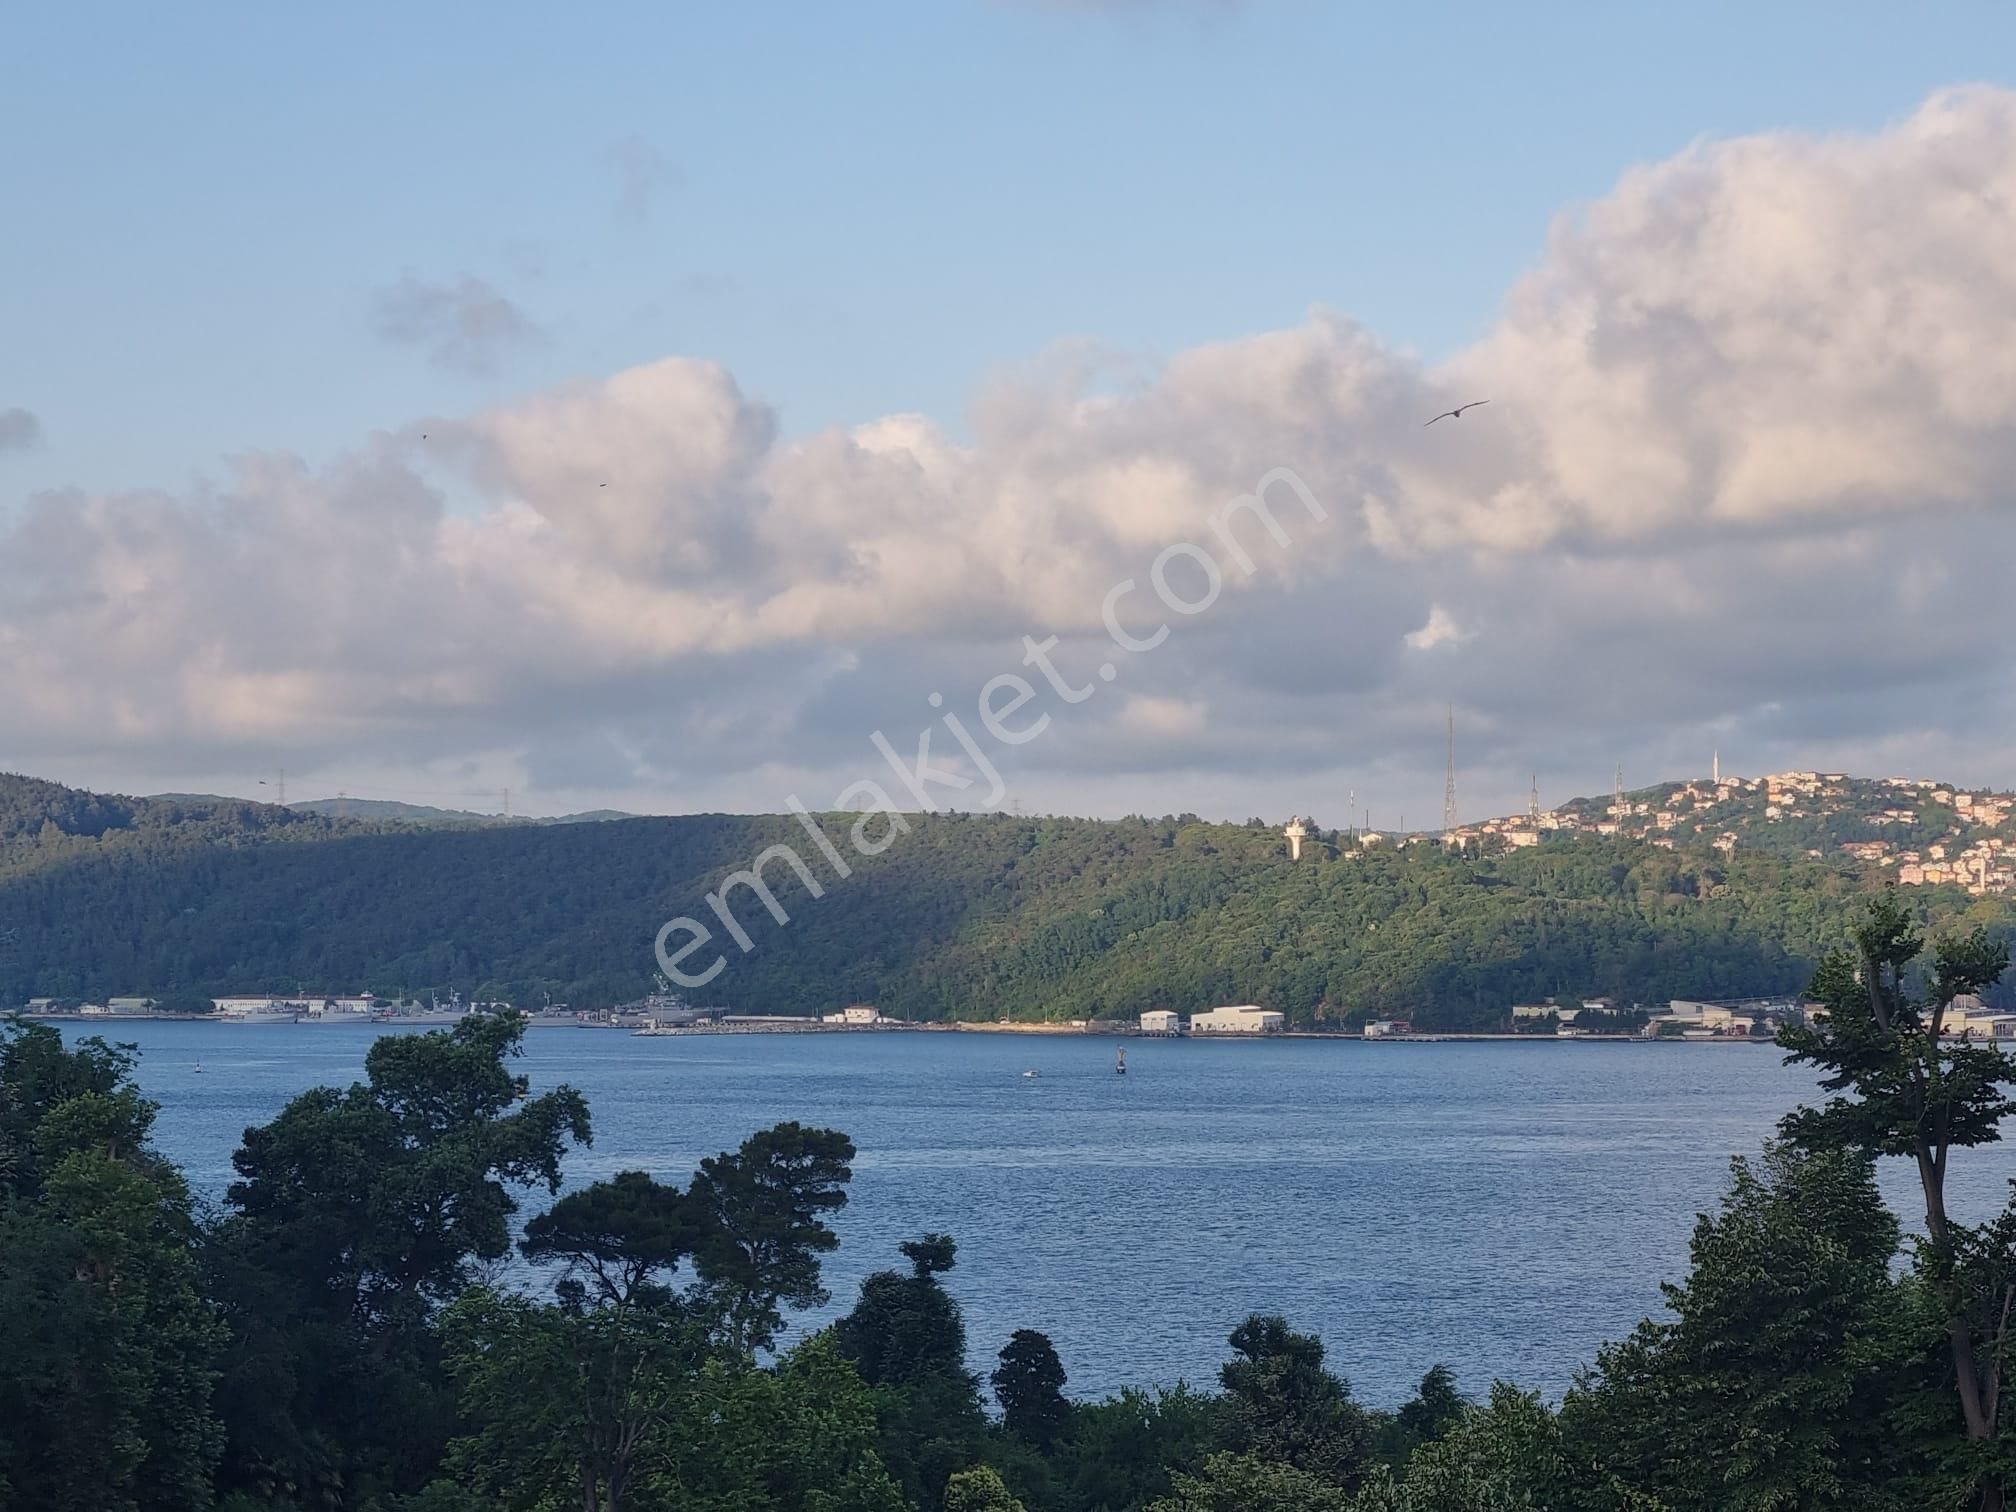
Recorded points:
(1161, 1021)
(1244, 1018)
(857, 1014)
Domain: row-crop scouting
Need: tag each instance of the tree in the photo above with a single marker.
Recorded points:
(618, 1233)
(799, 1437)
(626, 1388)
(1029, 1385)
(563, 1402)
(762, 1214)
(110, 1355)
(906, 1329)
(1505, 1456)
(1248, 1483)
(1127, 1450)
(183, 1000)
(906, 1337)
(1281, 1404)
(1911, 1092)
(979, 1490)
(358, 1214)
(1773, 1384)
(1437, 1406)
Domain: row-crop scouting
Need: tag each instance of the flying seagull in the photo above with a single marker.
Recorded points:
(1456, 413)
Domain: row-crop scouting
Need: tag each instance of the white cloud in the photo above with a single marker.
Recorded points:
(1441, 629)
(1746, 464)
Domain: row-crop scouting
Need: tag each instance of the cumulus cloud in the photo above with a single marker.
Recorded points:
(1743, 480)
(1441, 629)
(464, 326)
(19, 430)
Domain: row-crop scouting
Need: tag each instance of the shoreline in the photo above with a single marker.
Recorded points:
(757, 1025)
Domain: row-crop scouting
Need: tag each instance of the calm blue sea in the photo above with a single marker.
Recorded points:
(1503, 1207)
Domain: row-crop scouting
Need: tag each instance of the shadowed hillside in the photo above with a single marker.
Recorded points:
(964, 916)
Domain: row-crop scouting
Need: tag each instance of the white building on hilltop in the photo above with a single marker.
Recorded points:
(1298, 830)
(1246, 1018)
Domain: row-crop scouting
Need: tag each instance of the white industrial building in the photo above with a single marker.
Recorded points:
(859, 1015)
(1161, 1021)
(1246, 1018)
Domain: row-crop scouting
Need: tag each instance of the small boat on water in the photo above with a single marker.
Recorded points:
(1120, 1065)
(1031, 1072)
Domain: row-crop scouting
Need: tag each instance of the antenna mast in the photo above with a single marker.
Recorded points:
(1533, 800)
(1449, 787)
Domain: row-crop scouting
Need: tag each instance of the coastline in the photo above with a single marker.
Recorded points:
(1047, 1029)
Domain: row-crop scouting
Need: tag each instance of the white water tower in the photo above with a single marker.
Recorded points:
(1298, 830)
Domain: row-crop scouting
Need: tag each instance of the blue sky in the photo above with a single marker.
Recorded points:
(865, 210)
(1733, 275)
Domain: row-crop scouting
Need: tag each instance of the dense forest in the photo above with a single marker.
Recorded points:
(341, 1334)
(961, 916)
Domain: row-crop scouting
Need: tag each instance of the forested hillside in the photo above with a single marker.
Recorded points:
(963, 916)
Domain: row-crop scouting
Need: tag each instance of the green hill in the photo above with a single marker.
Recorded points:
(964, 916)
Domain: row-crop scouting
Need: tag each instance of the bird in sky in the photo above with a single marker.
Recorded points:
(1456, 413)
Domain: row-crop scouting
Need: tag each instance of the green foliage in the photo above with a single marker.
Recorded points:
(907, 1338)
(1029, 1385)
(1281, 1405)
(1249, 1483)
(561, 1401)
(618, 1408)
(1126, 1451)
(357, 1215)
(1505, 1456)
(963, 915)
(1435, 1408)
(1903, 1089)
(979, 1490)
(334, 1334)
(619, 1233)
(1773, 1384)
(184, 1001)
(110, 1345)
(761, 1215)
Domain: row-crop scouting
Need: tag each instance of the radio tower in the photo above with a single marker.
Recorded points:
(1449, 787)
(1533, 801)
(1619, 809)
